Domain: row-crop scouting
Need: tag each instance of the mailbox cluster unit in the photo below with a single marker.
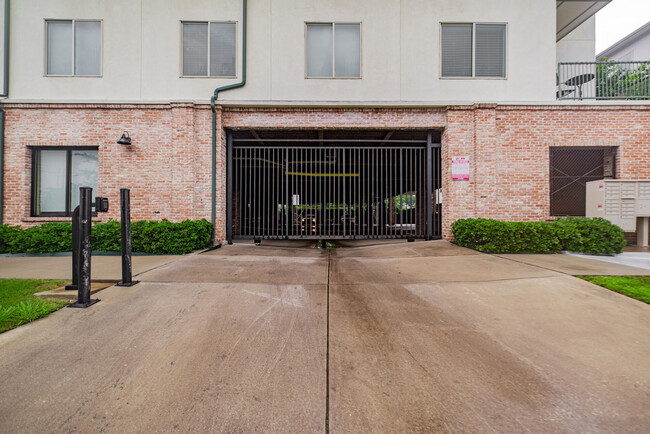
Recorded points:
(624, 202)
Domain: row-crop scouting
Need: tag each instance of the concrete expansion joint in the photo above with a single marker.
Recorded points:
(327, 351)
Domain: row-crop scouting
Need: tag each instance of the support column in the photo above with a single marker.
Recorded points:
(642, 230)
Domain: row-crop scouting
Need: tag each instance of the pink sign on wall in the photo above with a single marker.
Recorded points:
(460, 168)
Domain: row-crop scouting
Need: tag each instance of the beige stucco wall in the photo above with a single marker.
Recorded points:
(580, 44)
(400, 50)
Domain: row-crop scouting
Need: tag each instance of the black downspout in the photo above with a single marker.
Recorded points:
(4, 94)
(213, 99)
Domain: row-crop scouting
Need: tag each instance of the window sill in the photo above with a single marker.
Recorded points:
(72, 76)
(473, 78)
(209, 77)
(46, 219)
(333, 78)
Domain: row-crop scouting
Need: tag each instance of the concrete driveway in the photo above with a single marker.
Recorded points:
(399, 337)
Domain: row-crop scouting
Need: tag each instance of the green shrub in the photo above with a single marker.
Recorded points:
(8, 236)
(158, 237)
(107, 236)
(48, 237)
(597, 236)
(165, 237)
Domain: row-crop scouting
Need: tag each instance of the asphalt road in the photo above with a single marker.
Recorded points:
(419, 337)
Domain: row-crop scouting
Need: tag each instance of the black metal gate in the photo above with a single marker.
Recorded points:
(286, 185)
(570, 170)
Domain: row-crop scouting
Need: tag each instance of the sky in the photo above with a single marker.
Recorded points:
(618, 19)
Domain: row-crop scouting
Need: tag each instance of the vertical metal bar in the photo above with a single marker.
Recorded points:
(75, 251)
(344, 194)
(285, 206)
(370, 189)
(373, 188)
(245, 178)
(229, 179)
(400, 188)
(249, 192)
(85, 215)
(357, 169)
(85, 227)
(125, 215)
(265, 188)
(381, 228)
(323, 228)
(429, 185)
(241, 198)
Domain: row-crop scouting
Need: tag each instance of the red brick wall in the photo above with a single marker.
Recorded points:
(509, 150)
(168, 167)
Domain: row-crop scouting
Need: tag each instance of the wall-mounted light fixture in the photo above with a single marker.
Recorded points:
(125, 139)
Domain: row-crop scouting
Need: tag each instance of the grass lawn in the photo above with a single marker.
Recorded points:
(637, 287)
(18, 304)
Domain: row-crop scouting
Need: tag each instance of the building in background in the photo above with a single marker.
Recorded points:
(635, 47)
(323, 119)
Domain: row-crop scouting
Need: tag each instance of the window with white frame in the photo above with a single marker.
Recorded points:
(209, 49)
(333, 50)
(473, 50)
(74, 47)
(57, 174)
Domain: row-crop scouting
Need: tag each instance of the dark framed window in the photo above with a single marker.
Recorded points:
(57, 174)
(570, 169)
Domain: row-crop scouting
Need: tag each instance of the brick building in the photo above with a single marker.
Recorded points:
(341, 120)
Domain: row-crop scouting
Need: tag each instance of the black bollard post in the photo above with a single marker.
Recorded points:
(85, 227)
(75, 251)
(125, 211)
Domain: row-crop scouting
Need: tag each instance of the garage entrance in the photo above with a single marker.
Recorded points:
(333, 184)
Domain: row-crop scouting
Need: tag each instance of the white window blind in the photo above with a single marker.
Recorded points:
(74, 47)
(209, 49)
(83, 173)
(88, 47)
(490, 50)
(473, 50)
(334, 50)
(456, 46)
(223, 43)
(320, 48)
(347, 38)
(195, 49)
(59, 47)
(51, 189)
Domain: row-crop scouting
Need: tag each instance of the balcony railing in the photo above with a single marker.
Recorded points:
(604, 80)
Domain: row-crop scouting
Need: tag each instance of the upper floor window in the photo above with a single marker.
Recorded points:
(209, 49)
(334, 50)
(473, 50)
(74, 47)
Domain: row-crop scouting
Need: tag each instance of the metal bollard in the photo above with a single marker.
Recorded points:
(125, 211)
(75, 251)
(85, 249)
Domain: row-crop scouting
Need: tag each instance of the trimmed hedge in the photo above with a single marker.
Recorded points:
(157, 237)
(584, 235)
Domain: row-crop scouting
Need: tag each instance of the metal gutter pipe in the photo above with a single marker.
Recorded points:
(5, 87)
(213, 99)
(4, 94)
